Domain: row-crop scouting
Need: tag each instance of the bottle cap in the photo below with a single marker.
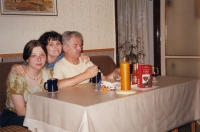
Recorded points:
(134, 66)
(124, 58)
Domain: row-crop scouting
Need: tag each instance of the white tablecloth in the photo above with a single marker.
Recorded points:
(83, 108)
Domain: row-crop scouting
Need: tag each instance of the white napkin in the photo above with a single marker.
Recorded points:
(107, 86)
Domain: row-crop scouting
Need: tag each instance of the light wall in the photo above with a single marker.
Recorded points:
(162, 38)
(95, 19)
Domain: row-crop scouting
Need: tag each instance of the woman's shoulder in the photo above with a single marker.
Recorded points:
(60, 57)
(46, 74)
(15, 74)
(14, 80)
(45, 69)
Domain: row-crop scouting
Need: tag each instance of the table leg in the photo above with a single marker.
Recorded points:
(193, 125)
(175, 130)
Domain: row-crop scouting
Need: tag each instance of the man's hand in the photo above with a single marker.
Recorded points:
(85, 58)
(20, 69)
(91, 71)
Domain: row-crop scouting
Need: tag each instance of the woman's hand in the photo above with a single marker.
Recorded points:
(20, 69)
(85, 58)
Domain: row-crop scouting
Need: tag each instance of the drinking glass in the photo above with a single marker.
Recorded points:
(118, 78)
(97, 79)
(116, 74)
(155, 72)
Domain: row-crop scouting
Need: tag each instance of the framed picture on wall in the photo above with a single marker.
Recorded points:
(29, 7)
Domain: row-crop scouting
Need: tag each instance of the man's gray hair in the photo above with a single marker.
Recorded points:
(67, 35)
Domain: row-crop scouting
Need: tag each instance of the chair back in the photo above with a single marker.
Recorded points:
(5, 68)
(105, 63)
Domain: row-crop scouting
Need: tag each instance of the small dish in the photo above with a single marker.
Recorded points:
(125, 91)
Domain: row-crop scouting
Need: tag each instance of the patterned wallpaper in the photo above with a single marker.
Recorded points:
(93, 18)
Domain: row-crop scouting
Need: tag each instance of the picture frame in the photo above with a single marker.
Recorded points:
(29, 7)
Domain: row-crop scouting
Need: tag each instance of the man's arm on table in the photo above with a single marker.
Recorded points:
(68, 82)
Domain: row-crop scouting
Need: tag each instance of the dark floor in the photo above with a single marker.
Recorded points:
(187, 128)
(197, 127)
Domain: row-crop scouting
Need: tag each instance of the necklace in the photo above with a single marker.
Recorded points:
(33, 78)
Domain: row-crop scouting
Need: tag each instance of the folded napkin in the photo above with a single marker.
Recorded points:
(107, 86)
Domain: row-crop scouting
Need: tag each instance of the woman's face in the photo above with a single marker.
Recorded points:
(37, 58)
(54, 48)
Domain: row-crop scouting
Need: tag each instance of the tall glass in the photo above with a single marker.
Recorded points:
(155, 72)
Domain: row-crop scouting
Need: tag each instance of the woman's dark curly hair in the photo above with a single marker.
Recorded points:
(51, 35)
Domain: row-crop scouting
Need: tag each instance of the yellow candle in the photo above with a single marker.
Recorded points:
(125, 76)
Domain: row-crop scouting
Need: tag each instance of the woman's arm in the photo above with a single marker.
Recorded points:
(19, 104)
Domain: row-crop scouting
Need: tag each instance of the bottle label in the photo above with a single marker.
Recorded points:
(134, 80)
(144, 76)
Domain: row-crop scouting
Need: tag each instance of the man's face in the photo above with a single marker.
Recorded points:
(74, 48)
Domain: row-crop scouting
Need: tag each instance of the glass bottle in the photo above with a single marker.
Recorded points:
(134, 75)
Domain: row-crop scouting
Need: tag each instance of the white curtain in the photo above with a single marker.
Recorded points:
(133, 28)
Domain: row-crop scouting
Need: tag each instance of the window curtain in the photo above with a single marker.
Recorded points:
(133, 30)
